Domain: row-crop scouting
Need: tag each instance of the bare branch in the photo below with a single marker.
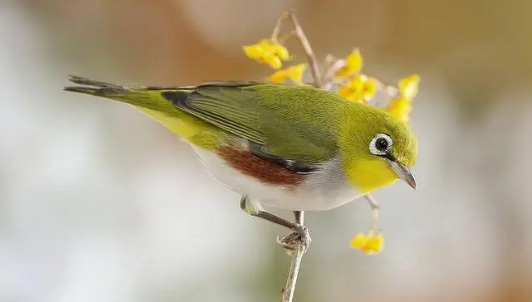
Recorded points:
(289, 289)
(297, 256)
(314, 68)
(277, 29)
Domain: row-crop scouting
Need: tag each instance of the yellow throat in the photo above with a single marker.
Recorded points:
(369, 175)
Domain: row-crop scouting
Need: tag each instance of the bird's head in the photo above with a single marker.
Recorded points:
(377, 149)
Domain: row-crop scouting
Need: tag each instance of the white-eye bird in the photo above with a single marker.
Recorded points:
(297, 148)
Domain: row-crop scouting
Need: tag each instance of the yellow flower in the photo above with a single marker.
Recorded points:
(353, 64)
(268, 52)
(368, 244)
(294, 73)
(401, 106)
(360, 89)
(408, 86)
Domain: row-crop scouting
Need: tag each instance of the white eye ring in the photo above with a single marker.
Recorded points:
(380, 144)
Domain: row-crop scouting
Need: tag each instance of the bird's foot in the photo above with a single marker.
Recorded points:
(291, 242)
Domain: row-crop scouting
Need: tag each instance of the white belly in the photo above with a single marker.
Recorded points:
(324, 190)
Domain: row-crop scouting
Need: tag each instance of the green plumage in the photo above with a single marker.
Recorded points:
(264, 114)
(292, 122)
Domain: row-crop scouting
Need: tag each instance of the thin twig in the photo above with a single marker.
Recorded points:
(277, 29)
(328, 76)
(314, 69)
(327, 64)
(288, 292)
(290, 287)
(374, 204)
(284, 37)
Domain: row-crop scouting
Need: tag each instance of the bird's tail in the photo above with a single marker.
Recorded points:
(137, 96)
(146, 97)
(95, 88)
(150, 100)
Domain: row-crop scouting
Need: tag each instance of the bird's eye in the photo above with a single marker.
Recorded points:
(380, 144)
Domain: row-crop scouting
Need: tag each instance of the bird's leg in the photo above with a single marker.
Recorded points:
(300, 232)
(300, 217)
(246, 206)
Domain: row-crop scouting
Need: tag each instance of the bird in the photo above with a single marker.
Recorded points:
(290, 147)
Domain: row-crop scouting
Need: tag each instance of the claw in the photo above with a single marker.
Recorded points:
(291, 242)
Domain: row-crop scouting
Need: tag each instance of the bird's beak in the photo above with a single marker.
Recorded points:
(404, 173)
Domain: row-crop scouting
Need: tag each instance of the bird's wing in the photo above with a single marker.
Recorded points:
(283, 124)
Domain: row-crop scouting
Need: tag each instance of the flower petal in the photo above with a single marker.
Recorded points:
(278, 77)
(400, 107)
(294, 73)
(353, 64)
(408, 86)
(368, 244)
(360, 89)
(354, 61)
(267, 52)
(359, 241)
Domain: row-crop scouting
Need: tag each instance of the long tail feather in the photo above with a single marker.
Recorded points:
(96, 88)
(150, 100)
(147, 97)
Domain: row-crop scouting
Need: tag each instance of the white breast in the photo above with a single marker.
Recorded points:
(324, 190)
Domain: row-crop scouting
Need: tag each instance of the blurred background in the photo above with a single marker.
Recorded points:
(100, 203)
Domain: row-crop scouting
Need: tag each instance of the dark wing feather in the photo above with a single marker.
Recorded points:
(298, 166)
